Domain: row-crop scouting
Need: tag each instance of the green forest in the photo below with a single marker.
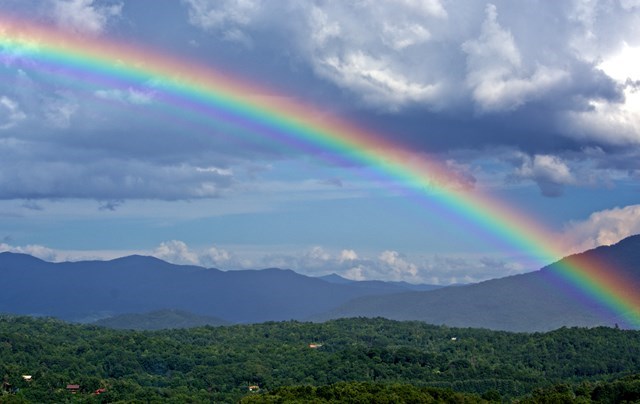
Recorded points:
(355, 360)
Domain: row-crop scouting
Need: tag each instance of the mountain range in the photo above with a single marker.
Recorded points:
(534, 301)
(92, 290)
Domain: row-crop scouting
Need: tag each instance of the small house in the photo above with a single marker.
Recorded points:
(254, 388)
(27, 378)
(73, 388)
(315, 346)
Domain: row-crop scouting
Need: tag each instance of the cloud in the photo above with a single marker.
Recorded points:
(59, 111)
(399, 268)
(613, 121)
(496, 73)
(217, 257)
(335, 182)
(375, 78)
(348, 255)
(226, 18)
(82, 16)
(401, 36)
(550, 173)
(432, 53)
(388, 265)
(10, 113)
(110, 205)
(32, 205)
(32, 173)
(37, 251)
(605, 227)
(128, 96)
(487, 63)
(442, 77)
(176, 252)
(436, 76)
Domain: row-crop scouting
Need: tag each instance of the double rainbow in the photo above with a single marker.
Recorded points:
(223, 97)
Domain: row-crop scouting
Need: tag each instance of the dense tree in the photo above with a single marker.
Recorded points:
(357, 356)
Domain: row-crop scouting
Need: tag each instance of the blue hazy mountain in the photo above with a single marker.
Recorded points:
(391, 285)
(535, 301)
(90, 290)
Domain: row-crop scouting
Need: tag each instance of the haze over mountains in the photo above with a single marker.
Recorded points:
(90, 290)
(535, 301)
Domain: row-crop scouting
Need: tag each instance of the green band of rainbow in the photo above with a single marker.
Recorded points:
(302, 125)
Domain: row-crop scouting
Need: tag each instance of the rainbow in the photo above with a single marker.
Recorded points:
(233, 101)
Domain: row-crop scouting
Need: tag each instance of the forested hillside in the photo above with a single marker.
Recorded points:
(220, 363)
(534, 301)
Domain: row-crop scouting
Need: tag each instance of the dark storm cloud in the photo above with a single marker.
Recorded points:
(464, 75)
(435, 77)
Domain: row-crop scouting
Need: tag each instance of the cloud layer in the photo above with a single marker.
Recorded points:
(513, 98)
(605, 227)
(600, 228)
(441, 77)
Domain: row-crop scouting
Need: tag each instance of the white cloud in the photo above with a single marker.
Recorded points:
(496, 73)
(605, 227)
(401, 36)
(35, 170)
(215, 256)
(323, 28)
(376, 79)
(550, 173)
(10, 113)
(442, 55)
(361, 46)
(424, 7)
(389, 265)
(399, 268)
(348, 255)
(356, 273)
(59, 111)
(614, 122)
(317, 253)
(128, 96)
(37, 251)
(225, 18)
(176, 252)
(82, 16)
(630, 4)
(215, 14)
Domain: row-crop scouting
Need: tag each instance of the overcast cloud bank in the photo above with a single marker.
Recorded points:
(508, 95)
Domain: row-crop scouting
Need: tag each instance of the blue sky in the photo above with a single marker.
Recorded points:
(535, 102)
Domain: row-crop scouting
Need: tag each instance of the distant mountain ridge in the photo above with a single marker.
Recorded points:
(89, 290)
(535, 301)
(400, 286)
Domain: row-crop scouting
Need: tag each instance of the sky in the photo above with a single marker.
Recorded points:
(536, 103)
